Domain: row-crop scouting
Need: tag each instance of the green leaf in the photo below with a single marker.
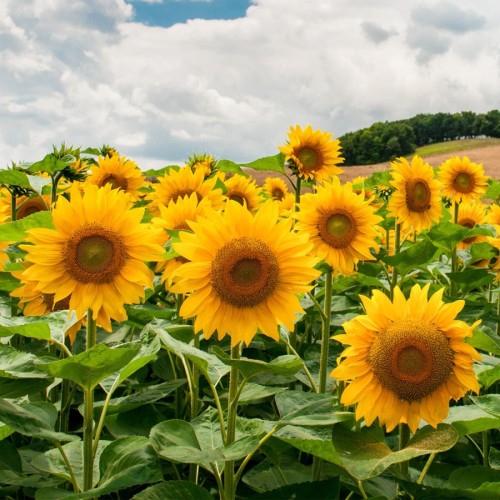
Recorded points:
(32, 419)
(142, 314)
(17, 388)
(16, 230)
(365, 454)
(93, 365)
(17, 364)
(229, 166)
(11, 177)
(275, 163)
(485, 341)
(27, 326)
(489, 403)
(412, 257)
(308, 408)
(8, 282)
(327, 489)
(471, 278)
(446, 235)
(470, 419)
(256, 393)
(174, 490)
(489, 376)
(286, 365)
(51, 164)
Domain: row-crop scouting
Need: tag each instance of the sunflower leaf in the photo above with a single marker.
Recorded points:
(229, 166)
(412, 257)
(470, 278)
(446, 235)
(16, 231)
(470, 419)
(276, 163)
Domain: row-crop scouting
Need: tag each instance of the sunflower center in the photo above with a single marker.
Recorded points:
(418, 195)
(337, 229)
(238, 198)
(115, 182)
(94, 254)
(245, 272)
(463, 183)
(182, 193)
(278, 194)
(309, 158)
(411, 358)
(467, 222)
(31, 206)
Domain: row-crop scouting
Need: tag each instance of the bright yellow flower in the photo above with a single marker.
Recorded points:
(275, 187)
(416, 201)
(469, 215)
(406, 359)
(340, 223)
(244, 272)
(462, 179)
(204, 162)
(314, 154)
(493, 217)
(97, 254)
(244, 190)
(119, 173)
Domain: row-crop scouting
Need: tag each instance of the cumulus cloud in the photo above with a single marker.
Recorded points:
(87, 72)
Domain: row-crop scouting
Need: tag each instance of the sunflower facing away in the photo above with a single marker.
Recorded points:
(340, 223)
(119, 173)
(96, 254)
(462, 179)
(313, 153)
(406, 359)
(416, 201)
(244, 272)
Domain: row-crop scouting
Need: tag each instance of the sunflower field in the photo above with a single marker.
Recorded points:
(187, 333)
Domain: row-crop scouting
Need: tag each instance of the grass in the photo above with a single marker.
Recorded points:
(453, 146)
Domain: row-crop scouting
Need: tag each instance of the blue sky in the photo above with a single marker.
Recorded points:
(132, 76)
(168, 12)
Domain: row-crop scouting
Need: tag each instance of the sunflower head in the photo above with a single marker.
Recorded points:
(204, 162)
(462, 179)
(312, 154)
(31, 205)
(275, 187)
(406, 358)
(469, 215)
(244, 190)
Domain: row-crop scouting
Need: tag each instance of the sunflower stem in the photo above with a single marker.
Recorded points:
(426, 468)
(232, 407)
(397, 247)
(454, 260)
(498, 314)
(404, 437)
(88, 414)
(304, 366)
(67, 463)
(486, 461)
(361, 489)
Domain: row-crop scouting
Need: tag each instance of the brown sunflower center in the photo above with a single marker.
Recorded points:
(239, 198)
(463, 183)
(277, 194)
(245, 272)
(418, 195)
(115, 182)
(337, 229)
(178, 195)
(94, 254)
(411, 358)
(31, 206)
(310, 159)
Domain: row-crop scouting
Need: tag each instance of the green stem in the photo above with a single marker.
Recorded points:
(318, 306)
(13, 206)
(361, 489)
(454, 260)
(218, 480)
(88, 414)
(219, 410)
(100, 424)
(498, 314)
(293, 334)
(397, 247)
(66, 461)
(426, 468)
(232, 407)
(304, 367)
(404, 437)
(485, 449)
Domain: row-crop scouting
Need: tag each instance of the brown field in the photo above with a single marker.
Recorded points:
(489, 157)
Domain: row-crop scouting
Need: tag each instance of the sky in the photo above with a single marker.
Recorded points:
(160, 80)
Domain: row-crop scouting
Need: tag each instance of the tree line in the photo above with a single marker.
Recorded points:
(388, 140)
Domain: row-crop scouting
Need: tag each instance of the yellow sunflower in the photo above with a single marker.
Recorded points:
(244, 190)
(28, 205)
(462, 179)
(416, 201)
(275, 187)
(177, 217)
(204, 162)
(406, 359)
(495, 263)
(469, 215)
(314, 154)
(493, 217)
(340, 223)
(178, 183)
(244, 272)
(119, 172)
(97, 254)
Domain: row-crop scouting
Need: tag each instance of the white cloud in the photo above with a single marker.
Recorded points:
(83, 73)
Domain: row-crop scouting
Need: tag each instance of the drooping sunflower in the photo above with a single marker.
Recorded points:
(244, 272)
(177, 216)
(119, 172)
(178, 183)
(469, 215)
(313, 154)
(28, 205)
(96, 254)
(416, 201)
(340, 223)
(462, 179)
(243, 190)
(406, 358)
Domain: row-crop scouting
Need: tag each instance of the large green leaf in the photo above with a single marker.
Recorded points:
(229, 166)
(174, 490)
(32, 419)
(327, 489)
(485, 340)
(275, 163)
(365, 453)
(11, 177)
(418, 254)
(471, 278)
(446, 235)
(18, 364)
(489, 403)
(27, 326)
(93, 365)
(17, 388)
(51, 164)
(470, 419)
(16, 231)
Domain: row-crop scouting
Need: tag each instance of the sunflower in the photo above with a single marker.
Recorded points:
(275, 188)
(416, 201)
(462, 179)
(28, 205)
(96, 254)
(204, 162)
(176, 184)
(119, 172)
(176, 217)
(244, 190)
(244, 272)
(469, 215)
(340, 223)
(406, 359)
(493, 217)
(313, 154)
